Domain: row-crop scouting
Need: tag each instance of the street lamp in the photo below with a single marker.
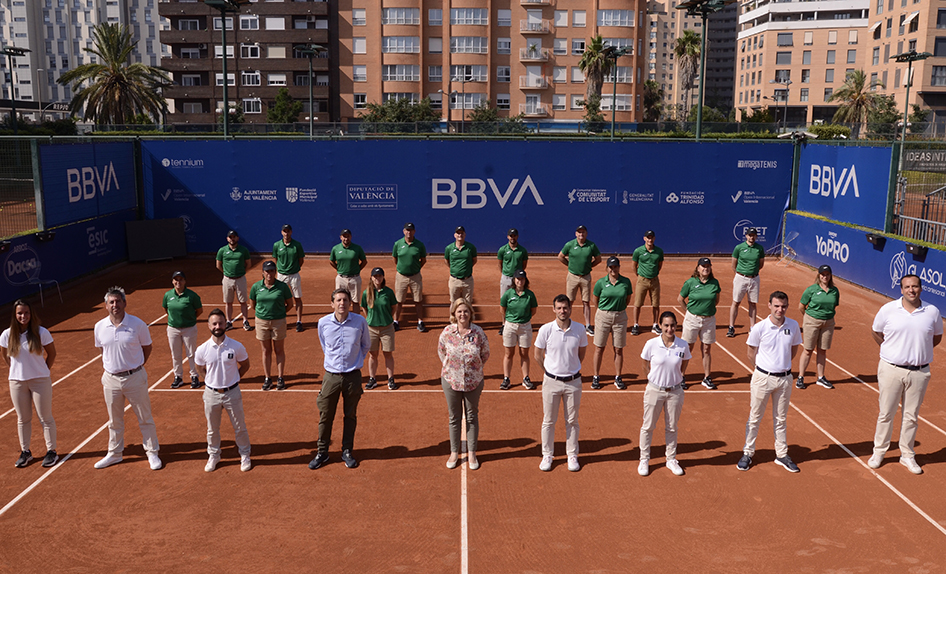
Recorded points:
(908, 58)
(785, 83)
(10, 52)
(310, 51)
(225, 6)
(612, 53)
(164, 104)
(702, 8)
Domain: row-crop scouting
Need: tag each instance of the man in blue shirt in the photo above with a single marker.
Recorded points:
(345, 343)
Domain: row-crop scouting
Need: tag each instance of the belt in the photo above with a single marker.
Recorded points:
(665, 389)
(127, 372)
(788, 373)
(458, 277)
(912, 368)
(564, 379)
(355, 371)
(221, 390)
(234, 277)
(357, 275)
(747, 275)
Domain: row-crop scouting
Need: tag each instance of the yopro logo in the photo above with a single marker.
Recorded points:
(831, 248)
(827, 182)
(84, 183)
(22, 264)
(473, 193)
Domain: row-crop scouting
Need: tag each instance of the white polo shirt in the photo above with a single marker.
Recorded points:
(665, 362)
(222, 361)
(775, 344)
(26, 366)
(121, 345)
(908, 337)
(561, 347)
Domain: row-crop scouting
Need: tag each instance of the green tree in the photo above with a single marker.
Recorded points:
(486, 120)
(236, 115)
(760, 115)
(653, 101)
(285, 110)
(710, 114)
(857, 99)
(400, 116)
(687, 51)
(111, 90)
(883, 118)
(595, 65)
(594, 119)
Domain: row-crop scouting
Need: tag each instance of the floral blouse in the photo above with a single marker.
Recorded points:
(463, 357)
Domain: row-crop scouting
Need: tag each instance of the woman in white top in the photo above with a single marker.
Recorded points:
(665, 361)
(22, 346)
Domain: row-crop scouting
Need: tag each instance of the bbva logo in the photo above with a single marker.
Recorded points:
(827, 182)
(21, 265)
(473, 193)
(84, 183)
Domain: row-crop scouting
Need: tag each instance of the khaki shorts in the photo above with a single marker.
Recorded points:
(613, 322)
(647, 286)
(352, 285)
(817, 333)
(383, 337)
(699, 328)
(505, 283)
(234, 285)
(267, 329)
(517, 335)
(460, 288)
(402, 283)
(742, 286)
(574, 282)
(294, 280)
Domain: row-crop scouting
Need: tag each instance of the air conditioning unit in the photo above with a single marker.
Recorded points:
(203, 46)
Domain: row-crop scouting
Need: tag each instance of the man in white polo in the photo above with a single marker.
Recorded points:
(772, 345)
(559, 349)
(125, 344)
(221, 362)
(907, 330)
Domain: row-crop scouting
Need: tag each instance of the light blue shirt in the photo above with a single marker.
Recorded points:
(345, 344)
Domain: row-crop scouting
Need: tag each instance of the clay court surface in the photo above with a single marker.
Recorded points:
(403, 511)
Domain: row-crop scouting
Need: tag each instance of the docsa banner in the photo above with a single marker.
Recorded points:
(855, 259)
(698, 198)
(846, 184)
(81, 181)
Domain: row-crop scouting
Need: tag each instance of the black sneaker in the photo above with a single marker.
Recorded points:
(397, 327)
(655, 329)
(280, 383)
(590, 330)
(744, 462)
(246, 326)
(684, 386)
(421, 327)
(299, 327)
(635, 330)
(50, 460)
(619, 383)
(350, 462)
(787, 463)
(320, 460)
(825, 383)
(505, 384)
(372, 383)
(800, 383)
(195, 382)
(500, 331)
(229, 325)
(731, 332)
(391, 384)
(178, 381)
(595, 383)
(267, 384)
(25, 458)
(527, 383)
(708, 383)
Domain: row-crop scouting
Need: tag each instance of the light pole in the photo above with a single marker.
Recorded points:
(908, 58)
(785, 83)
(702, 8)
(164, 104)
(449, 95)
(11, 52)
(225, 6)
(310, 51)
(612, 53)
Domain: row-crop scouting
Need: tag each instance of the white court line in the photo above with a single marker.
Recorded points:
(464, 527)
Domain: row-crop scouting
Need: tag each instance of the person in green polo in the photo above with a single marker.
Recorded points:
(379, 301)
(271, 299)
(819, 302)
(512, 256)
(348, 259)
(233, 260)
(410, 255)
(747, 261)
(460, 257)
(580, 255)
(183, 308)
(699, 296)
(518, 305)
(612, 294)
(290, 257)
(646, 263)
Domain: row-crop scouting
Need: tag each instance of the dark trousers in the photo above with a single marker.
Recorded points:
(348, 386)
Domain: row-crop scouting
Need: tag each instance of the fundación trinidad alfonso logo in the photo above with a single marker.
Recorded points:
(672, 198)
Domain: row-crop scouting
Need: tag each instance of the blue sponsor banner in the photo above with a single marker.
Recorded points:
(77, 249)
(848, 184)
(81, 181)
(853, 258)
(698, 198)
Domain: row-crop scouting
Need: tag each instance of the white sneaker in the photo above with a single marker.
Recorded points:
(546, 464)
(643, 469)
(674, 467)
(108, 460)
(910, 464)
(245, 464)
(875, 460)
(573, 465)
(212, 463)
(155, 461)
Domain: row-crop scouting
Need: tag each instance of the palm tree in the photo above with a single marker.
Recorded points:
(857, 99)
(595, 64)
(653, 101)
(687, 50)
(111, 90)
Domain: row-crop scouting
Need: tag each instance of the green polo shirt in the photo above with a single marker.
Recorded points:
(380, 315)
(648, 262)
(821, 304)
(234, 260)
(288, 257)
(270, 302)
(461, 260)
(702, 296)
(580, 256)
(408, 255)
(748, 258)
(347, 259)
(613, 297)
(512, 259)
(518, 307)
(182, 309)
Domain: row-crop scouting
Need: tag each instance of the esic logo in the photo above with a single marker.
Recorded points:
(83, 183)
(21, 265)
(830, 248)
(98, 240)
(473, 193)
(825, 181)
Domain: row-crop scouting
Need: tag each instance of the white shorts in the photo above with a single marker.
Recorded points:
(742, 286)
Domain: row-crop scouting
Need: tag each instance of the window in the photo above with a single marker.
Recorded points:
(400, 16)
(616, 18)
(276, 52)
(190, 80)
(830, 57)
(359, 45)
(578, 47)
(436, 101)
(873, 81)
(559, 74)
(619, 42)
(188, 25)
(502, 101)
(558, 102)
(467, 74)
(914, 23)
(503, 74)
(803, 95)
(475, 17)
(938, 76)
(783, 58)
(358, 17)
(360, 101)
(435, 45)
(852, 56)
(217, 23)
(466, 101)
(435, 74)
(559, 46)
(783, 76)
(623, 102)
(230, 79)
(880, 7)
(625, 75)
(218, 52)
(829, 75)
(577, 75)
(576, 101)
(832, 37)
(561, 19)
(359, 74)
(504, 17)
(889, 26)
(939, 47)
(249, 51)
(250, 78)
(941, 18)
(827, 94)
(188, 53)
(400, 72)
(896, 78)
(852, 37)
(578, 19)
(435, 17)
(784, 39)
(249, 22)
(809, 38)
(504, 46)
(192, 108)
(277, 79)
(901, 24)
(275, 24)
(477, 45)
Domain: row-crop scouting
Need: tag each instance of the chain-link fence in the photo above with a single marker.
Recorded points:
(17, 192)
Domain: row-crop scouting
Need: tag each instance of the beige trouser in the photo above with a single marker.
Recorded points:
(655, 401)
(214, 404)
(135, 389)
(554, 393)
(182, 340)
(26, 394)
(898, 385)
(461, 288)
(779, 388)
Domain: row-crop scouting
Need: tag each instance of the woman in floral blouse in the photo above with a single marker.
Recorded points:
(463, 349)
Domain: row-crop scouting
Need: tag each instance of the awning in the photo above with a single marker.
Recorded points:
(874, 27)
(911, 17)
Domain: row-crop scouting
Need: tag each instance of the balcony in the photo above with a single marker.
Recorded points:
(535, 3)
(534, 55)
(533, 26)
(533, 83)
(534, 110)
